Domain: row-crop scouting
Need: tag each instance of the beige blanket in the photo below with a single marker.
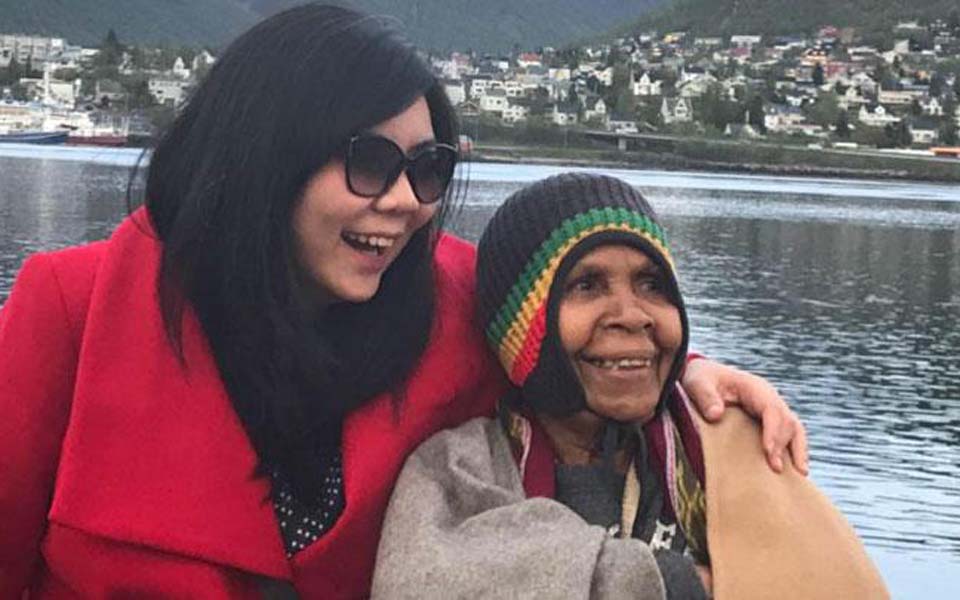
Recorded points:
(775, 536)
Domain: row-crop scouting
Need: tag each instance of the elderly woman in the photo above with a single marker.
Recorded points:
(598, 479)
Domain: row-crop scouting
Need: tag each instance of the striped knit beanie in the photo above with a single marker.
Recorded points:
(524, 254)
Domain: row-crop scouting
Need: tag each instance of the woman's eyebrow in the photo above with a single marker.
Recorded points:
(585, 269)
(420, 146)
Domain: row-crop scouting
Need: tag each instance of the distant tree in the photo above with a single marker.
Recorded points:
(111, 51)
(936, 85)
(948, 132)
(949, 106)
(593, 84)
(12, 73)
(649, 112)
(755, 115)
(620, 94)
(18, 91)
(897, 135)
(138, 94)
(818, 76)
(825, 110)
(956, 85)
(65, 74)
(948, 122)
(29, 71)
(953, 20)
(716, 110)
(843, 125)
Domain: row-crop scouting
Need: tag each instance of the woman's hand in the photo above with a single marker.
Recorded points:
(712, 385)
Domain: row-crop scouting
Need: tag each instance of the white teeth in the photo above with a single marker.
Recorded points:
(377, 242)
(623, 363)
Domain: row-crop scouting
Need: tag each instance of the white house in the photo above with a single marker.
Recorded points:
(931, 107)
(455, 91)
(851, 97)
(923, 133)
(180, 69)
(494, 101)
(513, 88)
(594, 109)
(515, 111)
(745, 41)
(168, 90)
(529, 59)
(479, 85)
(696, 85)
(676, 110)
(899, 97)
(864, 82)
(782, 119)
(564, 113)
(622, 124)
(33, 48)
(202, 60)
(646, 85)
(878, 117)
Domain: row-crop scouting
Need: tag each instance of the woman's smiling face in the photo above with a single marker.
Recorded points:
(346, 242)
(619, 330)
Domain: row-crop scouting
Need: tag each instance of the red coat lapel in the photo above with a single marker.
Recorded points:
(154, 454)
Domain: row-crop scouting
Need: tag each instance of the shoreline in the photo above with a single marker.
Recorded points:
(875, 167)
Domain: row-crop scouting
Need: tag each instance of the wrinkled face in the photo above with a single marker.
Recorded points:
(346, 242)
(619, 330)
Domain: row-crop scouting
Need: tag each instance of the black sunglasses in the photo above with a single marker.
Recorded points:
(373, 164)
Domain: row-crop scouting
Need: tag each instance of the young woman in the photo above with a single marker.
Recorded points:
(217, 400)
(598, 480)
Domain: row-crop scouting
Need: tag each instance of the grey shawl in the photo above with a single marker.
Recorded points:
(460, 526)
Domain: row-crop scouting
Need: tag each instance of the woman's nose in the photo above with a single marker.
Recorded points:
(399, 198)
(626, 310)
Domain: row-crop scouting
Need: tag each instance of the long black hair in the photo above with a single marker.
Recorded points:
(221, 190)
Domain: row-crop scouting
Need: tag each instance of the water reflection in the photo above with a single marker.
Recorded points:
(849, 303)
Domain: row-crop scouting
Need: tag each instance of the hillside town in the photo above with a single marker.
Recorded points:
(825, 88)
(52, 91)
(830, 88)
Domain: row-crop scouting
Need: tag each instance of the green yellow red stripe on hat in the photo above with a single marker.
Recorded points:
(517, 329)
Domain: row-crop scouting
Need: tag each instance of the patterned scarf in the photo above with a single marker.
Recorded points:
(674, 454)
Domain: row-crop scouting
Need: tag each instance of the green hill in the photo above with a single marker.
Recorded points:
(725, 17)
(487, 25)
(166, 22)
(494, 24)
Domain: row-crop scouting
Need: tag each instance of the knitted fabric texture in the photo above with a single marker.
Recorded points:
(533, 239)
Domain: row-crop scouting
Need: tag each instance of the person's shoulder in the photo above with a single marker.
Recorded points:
(463, 441)
(64, 267)
(455, 275)
(455, 260)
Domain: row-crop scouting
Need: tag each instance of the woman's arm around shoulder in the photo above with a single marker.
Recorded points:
(459, 525)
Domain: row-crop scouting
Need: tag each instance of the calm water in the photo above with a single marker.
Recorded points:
(845, 293)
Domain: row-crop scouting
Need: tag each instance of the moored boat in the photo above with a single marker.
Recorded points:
(110, 140)
(34, 137)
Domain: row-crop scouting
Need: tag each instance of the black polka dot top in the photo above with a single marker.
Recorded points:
(300, 525)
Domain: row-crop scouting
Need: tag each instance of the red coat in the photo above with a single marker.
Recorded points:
(123, 473)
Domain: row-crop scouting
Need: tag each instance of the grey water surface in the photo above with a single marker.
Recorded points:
(844, 293)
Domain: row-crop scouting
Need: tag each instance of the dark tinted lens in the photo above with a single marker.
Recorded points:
(370, 164)
(431, 171)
